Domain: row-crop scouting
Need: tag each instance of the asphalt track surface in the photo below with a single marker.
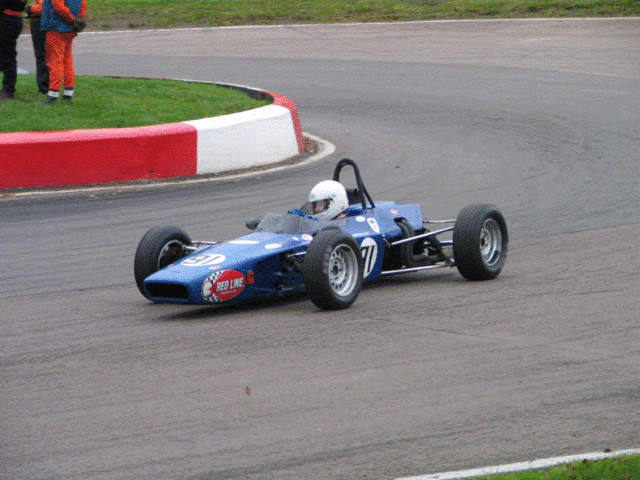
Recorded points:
(426, 372)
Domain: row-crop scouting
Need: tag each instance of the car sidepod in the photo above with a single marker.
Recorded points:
(374, 228)
(366, 230)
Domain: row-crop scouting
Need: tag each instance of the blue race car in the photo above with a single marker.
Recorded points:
(328, 248)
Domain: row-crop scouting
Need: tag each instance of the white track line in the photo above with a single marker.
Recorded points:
(360, 24)
(521, 466)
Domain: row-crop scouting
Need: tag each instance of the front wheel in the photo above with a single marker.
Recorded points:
(159, 247)
(480, 241)
(333, 270)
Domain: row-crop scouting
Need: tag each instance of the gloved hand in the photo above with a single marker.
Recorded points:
(79, 25)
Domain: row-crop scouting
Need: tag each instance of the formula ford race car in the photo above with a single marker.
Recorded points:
(329, 258)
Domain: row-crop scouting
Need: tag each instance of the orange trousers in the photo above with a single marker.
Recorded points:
(60, 60)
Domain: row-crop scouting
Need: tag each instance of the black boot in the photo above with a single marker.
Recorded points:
(49, 101)
(4, 95)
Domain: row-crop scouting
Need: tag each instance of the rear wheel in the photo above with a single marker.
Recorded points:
(480, 241)
(333, 270)
(159, 247)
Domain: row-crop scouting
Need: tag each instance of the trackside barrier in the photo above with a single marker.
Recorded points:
(257, 137)
(82, 157)
(295, 118)
(261, 136)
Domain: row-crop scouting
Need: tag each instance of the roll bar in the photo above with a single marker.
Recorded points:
(360, 194)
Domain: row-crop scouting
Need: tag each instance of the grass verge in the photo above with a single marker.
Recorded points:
(105, 102)
(143, 14)
(617, 468)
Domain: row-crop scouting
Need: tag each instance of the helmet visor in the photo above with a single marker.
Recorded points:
(320, 206)
(314, 208)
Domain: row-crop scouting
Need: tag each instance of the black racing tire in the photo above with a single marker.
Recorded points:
(480, 242)
(333, 270)
(159, 247)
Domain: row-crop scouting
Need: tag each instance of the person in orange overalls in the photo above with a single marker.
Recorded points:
(63, 20)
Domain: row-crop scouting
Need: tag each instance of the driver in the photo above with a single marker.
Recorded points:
(327, 201)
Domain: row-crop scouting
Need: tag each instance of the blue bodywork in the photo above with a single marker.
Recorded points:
(267, 261)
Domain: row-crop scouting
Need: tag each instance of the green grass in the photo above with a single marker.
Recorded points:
(618, 468)
(101, 102)
(118, 14)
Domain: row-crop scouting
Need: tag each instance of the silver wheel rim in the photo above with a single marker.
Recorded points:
(490, 242)
(171, 252)
(343, 270)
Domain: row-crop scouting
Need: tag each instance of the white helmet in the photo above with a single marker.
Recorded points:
(328, 199)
